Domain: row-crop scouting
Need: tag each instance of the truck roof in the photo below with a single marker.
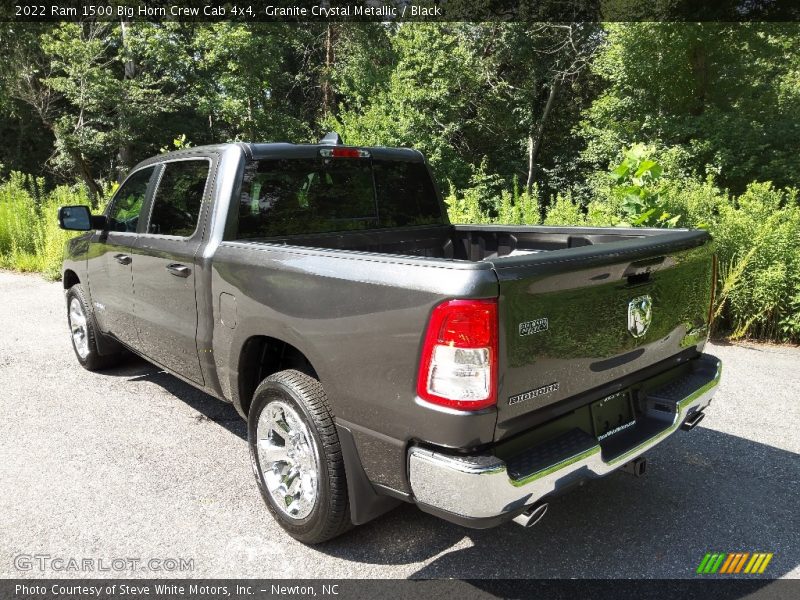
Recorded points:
(274, 150)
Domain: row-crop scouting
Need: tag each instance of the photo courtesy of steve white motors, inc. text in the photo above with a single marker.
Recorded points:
(138, 590)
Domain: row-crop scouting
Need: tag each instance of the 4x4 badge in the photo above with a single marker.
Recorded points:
(640, 314)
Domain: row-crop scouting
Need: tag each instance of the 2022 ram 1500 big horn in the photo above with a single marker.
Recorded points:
(381, 354)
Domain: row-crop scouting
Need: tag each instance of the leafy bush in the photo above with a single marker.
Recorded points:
(758, 237)
(564, 212)
(484, 202)
(465, 207)
(30, 239)
(637, 186)
(518, 207)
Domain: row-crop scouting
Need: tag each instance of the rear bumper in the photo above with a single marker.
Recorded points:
(483, 490)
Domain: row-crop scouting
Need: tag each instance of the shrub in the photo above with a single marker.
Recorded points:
(480, 204)
(699, 202)
(601, 214)
(758, 240)
(637, 187)
(757, 236)
(30, 239)
(466, 207)
(519, 207)
(564, 212)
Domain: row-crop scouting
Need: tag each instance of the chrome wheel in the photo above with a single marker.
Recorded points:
(287, 455)
(78, 328)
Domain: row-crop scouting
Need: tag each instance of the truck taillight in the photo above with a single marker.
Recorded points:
(339, 152)
(458, 367)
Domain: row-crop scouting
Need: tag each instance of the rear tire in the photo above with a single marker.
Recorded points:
(296, 457)
(83, 333)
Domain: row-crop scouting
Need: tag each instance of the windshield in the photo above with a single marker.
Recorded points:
(294, 196)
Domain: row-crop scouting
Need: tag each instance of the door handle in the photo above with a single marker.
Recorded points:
(179, 270)
(122, 259)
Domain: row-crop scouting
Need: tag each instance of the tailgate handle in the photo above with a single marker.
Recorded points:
(647, 262)
(638, 272)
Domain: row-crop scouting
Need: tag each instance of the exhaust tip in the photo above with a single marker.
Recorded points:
(532, 515)
(693, 420)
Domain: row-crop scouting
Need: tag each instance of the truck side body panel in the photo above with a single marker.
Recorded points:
(360, 321)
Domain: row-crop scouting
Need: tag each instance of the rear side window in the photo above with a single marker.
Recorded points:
(177, 201)
(405, 193)
(296, 196)
(128, 201)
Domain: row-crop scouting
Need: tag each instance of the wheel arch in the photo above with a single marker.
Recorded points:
(70, 278)
(261, 356)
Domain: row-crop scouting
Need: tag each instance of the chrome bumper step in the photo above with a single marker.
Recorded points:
(543, 456)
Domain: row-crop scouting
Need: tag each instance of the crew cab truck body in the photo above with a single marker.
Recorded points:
(380, 353)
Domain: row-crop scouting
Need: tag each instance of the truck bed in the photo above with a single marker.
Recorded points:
(478, 243)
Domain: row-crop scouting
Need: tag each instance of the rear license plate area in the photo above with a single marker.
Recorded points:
(612, 415)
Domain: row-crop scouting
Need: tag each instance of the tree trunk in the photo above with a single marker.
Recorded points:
(84, 172)
(250, 129)
(535, 138)
(326, 83)
(699, 60)
(125, 152)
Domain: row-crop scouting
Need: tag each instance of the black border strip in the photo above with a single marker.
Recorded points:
(282, 11)
(707, 588)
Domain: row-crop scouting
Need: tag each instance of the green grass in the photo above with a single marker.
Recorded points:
(30, 239)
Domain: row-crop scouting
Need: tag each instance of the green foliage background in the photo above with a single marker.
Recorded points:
(642, 124)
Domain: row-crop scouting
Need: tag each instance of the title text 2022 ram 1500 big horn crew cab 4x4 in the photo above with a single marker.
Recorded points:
(381, 354)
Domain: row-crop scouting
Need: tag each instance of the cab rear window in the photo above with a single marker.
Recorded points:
(296, 196)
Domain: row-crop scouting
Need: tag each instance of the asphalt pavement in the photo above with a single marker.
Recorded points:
(133, 464)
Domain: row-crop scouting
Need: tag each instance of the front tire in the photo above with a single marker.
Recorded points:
(296, 457)
(84, 333)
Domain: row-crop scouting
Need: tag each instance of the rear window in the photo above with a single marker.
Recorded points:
(294, 196)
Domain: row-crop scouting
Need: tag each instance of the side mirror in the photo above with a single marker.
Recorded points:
(78, 218)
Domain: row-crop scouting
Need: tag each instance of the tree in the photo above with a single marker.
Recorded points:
(261, 81)
(429, 101)
(98, 88)
(26, 145)
(724, 95)
(527, 68)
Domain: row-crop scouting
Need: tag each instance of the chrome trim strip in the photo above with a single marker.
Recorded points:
(479, 486)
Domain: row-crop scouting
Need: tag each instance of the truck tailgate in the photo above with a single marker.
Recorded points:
(574, 323)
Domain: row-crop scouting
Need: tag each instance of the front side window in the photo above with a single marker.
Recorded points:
(177, 201)
(128, 201)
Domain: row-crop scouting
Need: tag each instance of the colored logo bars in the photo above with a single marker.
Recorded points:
(734, 562)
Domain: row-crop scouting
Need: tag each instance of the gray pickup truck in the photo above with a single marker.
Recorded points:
(381, 354)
